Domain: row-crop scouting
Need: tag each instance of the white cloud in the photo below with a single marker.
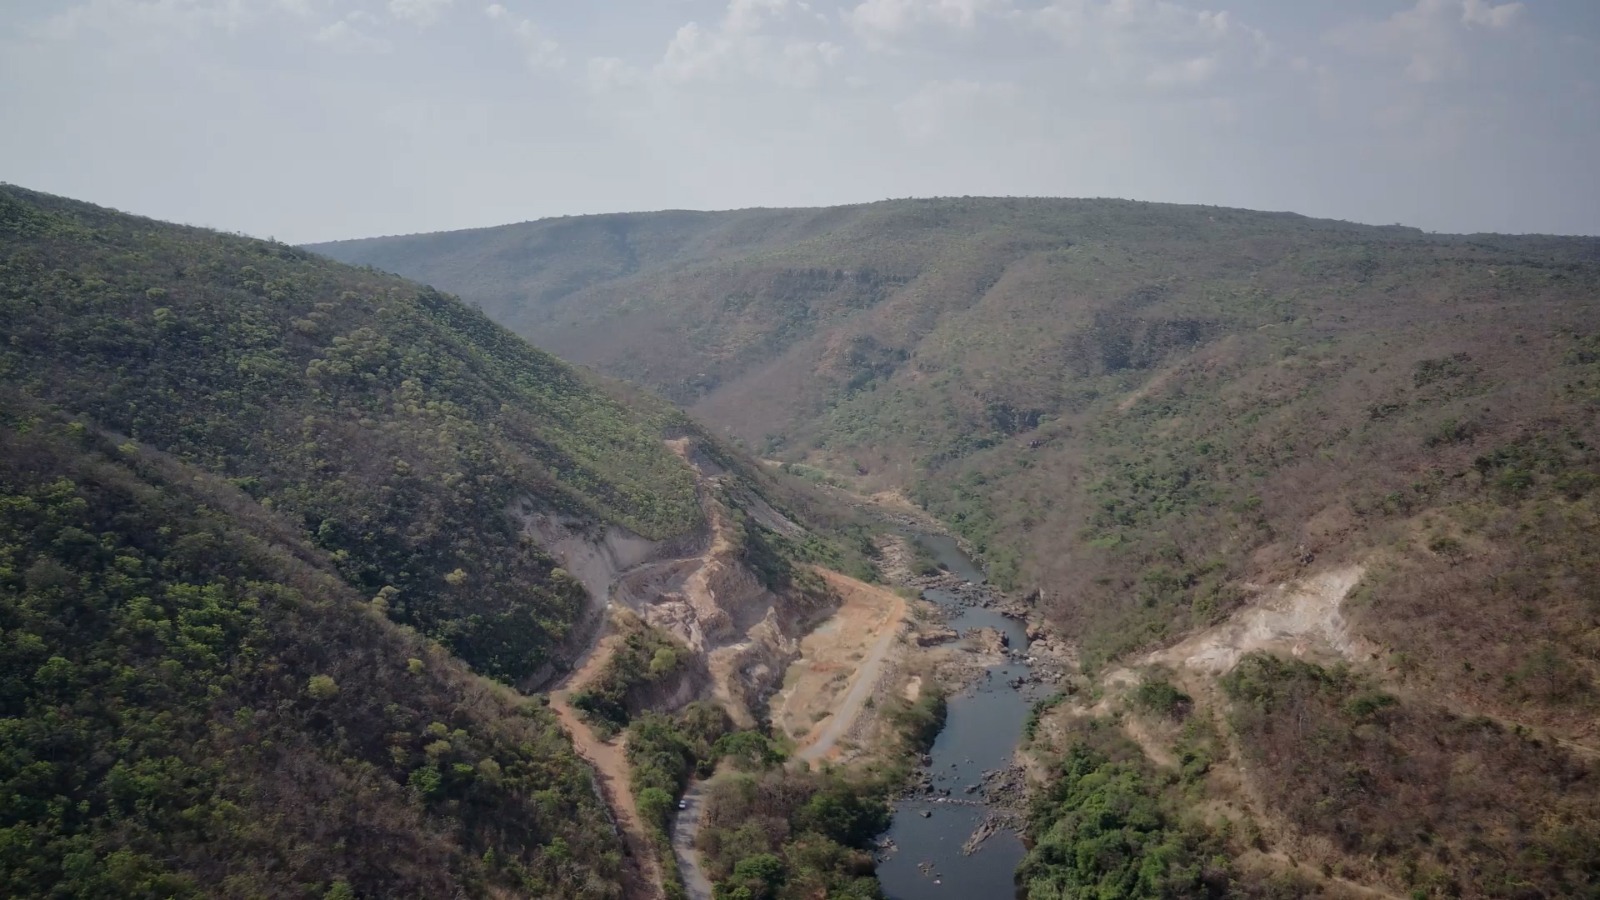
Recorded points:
(781, 102)
(151, 21)
(1113, 44)
(1481, 12)
(746, 16)
(606, 73)
(345, 37)
(420, 13)
(1153, 43)
(940, 108)
(880, 19)
(1150, 20)
(742, 46)
(539, 50)
(1183, 73)
(1428, 37)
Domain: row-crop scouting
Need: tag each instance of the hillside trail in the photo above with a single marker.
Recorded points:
(642, 873)
(685, 829)
(1467, 709)
(609, 759)
(707, 570)
(695, 581)
(1298, 618)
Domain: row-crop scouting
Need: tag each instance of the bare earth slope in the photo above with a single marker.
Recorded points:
(867, 626)
(641, 872)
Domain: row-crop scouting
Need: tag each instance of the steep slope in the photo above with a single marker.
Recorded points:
(196, 703)
(263, 539)
(394, 425)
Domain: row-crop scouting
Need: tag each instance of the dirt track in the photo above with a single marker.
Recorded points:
(685, 828)
(865, 606)
(641, 872)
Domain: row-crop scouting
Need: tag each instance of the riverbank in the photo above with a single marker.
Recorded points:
(957, 823)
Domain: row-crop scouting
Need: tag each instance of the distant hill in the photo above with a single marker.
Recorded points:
(257, 555)
(1127, 405)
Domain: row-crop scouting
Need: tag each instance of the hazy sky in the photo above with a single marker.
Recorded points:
(316, 119)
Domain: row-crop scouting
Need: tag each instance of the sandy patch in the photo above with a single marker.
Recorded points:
(1293, 618)
(840, 662)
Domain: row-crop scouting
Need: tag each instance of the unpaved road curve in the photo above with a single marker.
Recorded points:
(685, 828)
(641, 873)
(820, 744)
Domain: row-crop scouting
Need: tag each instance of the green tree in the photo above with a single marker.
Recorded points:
(321, 687)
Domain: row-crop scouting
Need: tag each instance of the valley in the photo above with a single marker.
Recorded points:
(795, 450)
(1304, 507)
(1070, 548)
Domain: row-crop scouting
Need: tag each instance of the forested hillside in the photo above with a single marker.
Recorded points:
(257, 569)
(1316, 502)
(1130, 406)
(389, 422)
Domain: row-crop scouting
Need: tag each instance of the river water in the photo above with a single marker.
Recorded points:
(982, 728)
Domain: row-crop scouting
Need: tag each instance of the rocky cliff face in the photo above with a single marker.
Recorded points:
(698, 588)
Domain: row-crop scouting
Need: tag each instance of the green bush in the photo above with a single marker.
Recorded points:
(790, 835)
(1102, 830)
(645, 658)
(1155, 694)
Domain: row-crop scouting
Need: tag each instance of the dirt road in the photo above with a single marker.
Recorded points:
(822, 740)
(641, 872)
(685, 828)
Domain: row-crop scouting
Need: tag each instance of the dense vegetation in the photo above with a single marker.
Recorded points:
(194, 702)
(1135, 406)
(1102, 831)
(785, 834)
(773, 833)
(257, 524)
(645, 660)
(391, 424)
(1440, 803)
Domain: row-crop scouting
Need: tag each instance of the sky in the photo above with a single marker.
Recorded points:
(309, 120)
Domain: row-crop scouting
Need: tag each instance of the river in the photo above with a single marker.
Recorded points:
(983, 726)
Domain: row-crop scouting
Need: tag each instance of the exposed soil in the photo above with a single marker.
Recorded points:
(1295, 618)
(1300, 618)
(641, 871)
(840, 665)
(698, 589)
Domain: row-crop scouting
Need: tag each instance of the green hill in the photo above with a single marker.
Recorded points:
(1153, 415)
(389, 422)
(1127, 405)
(256, 558)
